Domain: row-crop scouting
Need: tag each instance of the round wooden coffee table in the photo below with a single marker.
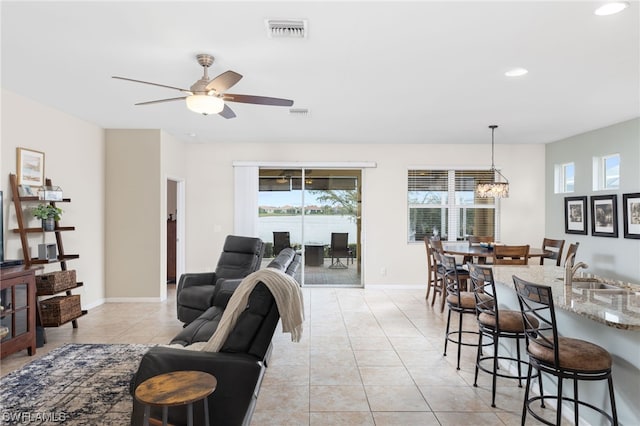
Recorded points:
(175, 389)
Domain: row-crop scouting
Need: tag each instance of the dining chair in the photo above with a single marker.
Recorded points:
(435, 245)
(433, 279)
(475, 240)
(554, 249)
(559, 356)
(511, 255)
(458, 300)
(571, 254)
(496, 324)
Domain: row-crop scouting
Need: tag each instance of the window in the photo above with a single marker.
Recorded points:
(443, 203)
(606, 172)
(564, 178)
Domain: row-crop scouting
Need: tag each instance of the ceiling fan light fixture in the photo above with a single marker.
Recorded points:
(205, 104)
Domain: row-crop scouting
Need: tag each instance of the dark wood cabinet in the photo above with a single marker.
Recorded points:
(171, 250)
(18, 312)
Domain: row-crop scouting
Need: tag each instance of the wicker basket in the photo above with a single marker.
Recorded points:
(55, 282)
(59, 310)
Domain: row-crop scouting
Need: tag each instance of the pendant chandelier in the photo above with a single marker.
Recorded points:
(495, 188)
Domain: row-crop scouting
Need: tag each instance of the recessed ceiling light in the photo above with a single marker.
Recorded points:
(611, 8)
(516, 72)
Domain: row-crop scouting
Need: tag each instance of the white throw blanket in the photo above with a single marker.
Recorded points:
(285, 291)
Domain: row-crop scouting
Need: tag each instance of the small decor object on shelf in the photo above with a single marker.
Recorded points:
(30, 167)
(55, 282)
(47, 252)
(50, 193)
(26, 191)
(49, 214)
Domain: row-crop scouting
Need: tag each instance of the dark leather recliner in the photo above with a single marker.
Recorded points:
(196, 291)
(238, 367)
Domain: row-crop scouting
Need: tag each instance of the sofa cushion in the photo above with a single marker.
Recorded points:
(258, 319)
(283, 259)
(197, 297)
(200, 329)
(224, 291)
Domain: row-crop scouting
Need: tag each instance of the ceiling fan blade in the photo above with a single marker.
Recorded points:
(159, 101)
(227, 112)
(224, 81)
(261, 100)
(152, 84)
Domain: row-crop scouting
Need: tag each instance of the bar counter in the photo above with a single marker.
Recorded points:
(609, 317)
(615, 304)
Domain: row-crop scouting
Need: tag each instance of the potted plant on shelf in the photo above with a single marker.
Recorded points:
(49, 214)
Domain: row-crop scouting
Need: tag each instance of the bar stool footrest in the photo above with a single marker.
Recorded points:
(530, 410)
(524, 367)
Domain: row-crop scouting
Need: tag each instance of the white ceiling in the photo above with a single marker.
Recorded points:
(370, 72)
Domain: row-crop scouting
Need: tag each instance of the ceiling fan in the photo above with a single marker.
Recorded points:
(207, 96)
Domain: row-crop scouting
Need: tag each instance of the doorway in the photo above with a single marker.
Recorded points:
(318, 213)
(175, 229)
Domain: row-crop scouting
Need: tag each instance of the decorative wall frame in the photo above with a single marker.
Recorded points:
(631, 215)
(604, 216)
(575, 215)
(30, 167)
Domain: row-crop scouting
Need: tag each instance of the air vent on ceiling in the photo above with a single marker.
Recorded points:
(299, 112)
(286, 28)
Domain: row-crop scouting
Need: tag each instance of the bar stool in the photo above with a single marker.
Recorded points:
(495, 324)
(462, 302)
(175, 389)
(562, 357)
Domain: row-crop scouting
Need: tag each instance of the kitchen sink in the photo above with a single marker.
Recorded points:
(594, 284)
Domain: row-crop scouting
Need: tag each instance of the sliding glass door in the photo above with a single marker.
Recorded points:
(316, 212)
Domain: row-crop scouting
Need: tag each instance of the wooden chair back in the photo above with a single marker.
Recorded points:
(554, 247)
(511, 255)
(475, 240)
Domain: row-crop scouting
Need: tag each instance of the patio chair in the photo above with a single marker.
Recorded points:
(280, 242)
(340, 248)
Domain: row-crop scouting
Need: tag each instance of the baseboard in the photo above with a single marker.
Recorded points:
(133, 300)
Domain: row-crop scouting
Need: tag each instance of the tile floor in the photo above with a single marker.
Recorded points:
(367, 357)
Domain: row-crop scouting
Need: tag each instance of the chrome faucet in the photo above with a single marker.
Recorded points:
(570, 271)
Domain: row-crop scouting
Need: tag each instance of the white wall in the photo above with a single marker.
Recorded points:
(134, 195)
(210, 195)
(74, 160)
(617, 258)
(138, 165)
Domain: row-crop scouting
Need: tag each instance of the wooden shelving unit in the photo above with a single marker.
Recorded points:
(24, 232)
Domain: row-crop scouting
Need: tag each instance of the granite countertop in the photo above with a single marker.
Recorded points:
(615, 304)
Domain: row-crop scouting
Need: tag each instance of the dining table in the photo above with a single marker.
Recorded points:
(482, 253)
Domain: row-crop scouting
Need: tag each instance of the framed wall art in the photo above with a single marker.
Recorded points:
(30, 167)
(604, 216)
(631, 215)
(575, 215)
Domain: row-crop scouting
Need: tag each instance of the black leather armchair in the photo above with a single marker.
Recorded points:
(195, 292)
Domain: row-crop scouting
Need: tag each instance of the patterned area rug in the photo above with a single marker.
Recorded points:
(76, 384)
